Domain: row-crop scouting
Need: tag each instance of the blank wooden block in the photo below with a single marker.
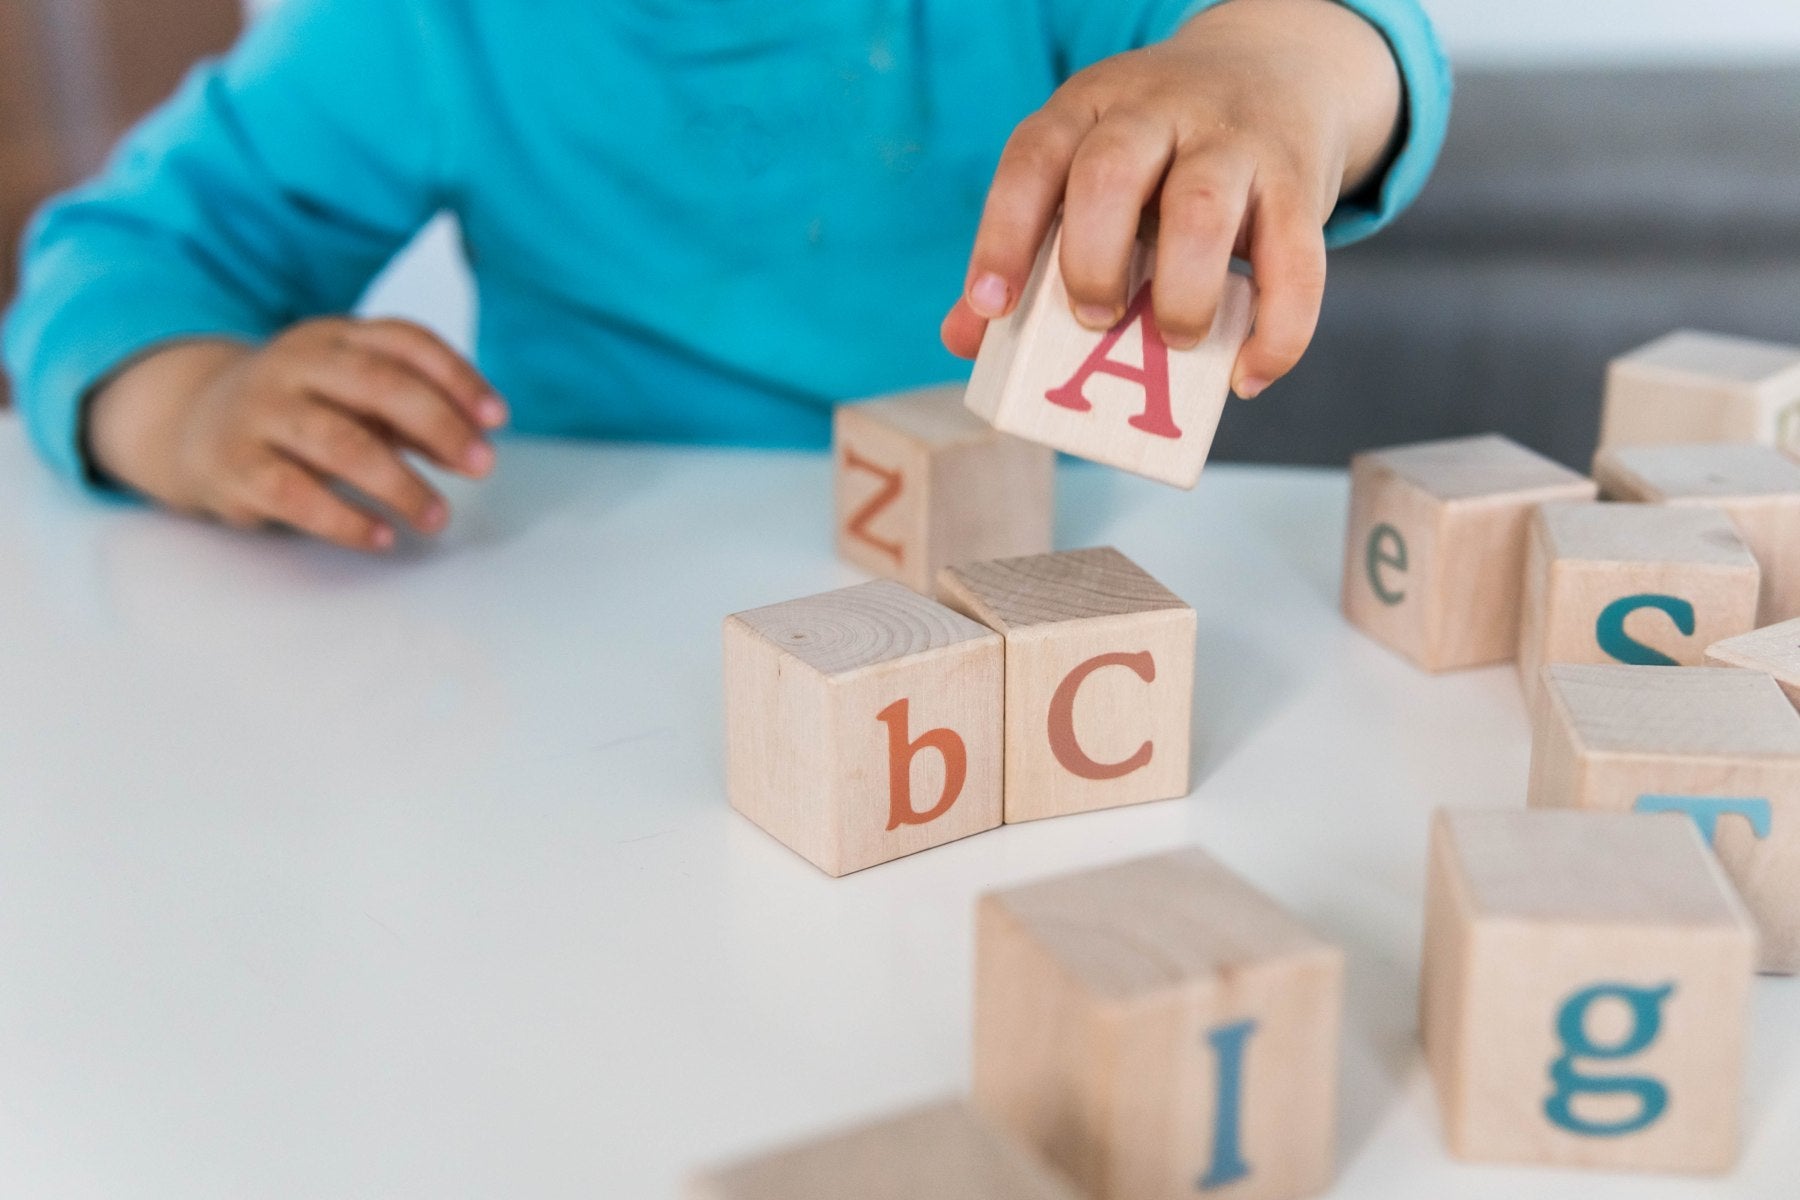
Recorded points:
(1703, 387)
(1585, 991)
(1122, 397)
(1757, 486)
(1721, 745)
(1160, 1029)
(1643, 584)
(1436, 545)
(863, 724)
(923, 483)
(943, 1152)
(1099, 678)
(1774, 650)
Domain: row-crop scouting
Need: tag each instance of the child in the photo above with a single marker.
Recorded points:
(690, 220)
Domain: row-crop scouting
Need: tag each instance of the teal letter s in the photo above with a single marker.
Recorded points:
(1609, 630)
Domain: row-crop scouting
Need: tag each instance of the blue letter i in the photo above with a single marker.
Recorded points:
(1228, 1165)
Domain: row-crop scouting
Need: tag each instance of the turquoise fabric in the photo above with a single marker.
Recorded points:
(688, 220)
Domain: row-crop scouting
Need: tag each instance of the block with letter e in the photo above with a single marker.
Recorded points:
(923, 483)
(1160, 1029)
(1099, 678)
(1436, 545)
(1122, 397)
(1641, 584)
(1703, 387)
(864, 724)
(1586, 987)
(1717, 744)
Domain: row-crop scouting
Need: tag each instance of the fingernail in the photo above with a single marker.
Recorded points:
(382, 538)
(1179, 341)
(1098, 317)
(434, 516)
(491, 411)
(1250, 389)
(480, 458)
(989, 296)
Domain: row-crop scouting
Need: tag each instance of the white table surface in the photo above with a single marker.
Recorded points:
(323, 876)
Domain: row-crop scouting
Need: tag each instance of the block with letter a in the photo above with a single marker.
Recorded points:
(1436, 545)
(941, 1152)
(1718, 745)
(1160, 1029)
(923, 483)
(1099, 678)
(864, 724)
(1641, 584)
(1586, 988)
(1704, 387)
(1121, 397)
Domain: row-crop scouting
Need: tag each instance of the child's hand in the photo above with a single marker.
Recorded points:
(1243, 130)
(254, 436)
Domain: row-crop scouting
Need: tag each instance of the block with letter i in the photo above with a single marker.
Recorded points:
(941, 1152)
(1160, 1029)
(922, 483)
(1121, 397)
(1099, 678)
(1436, 545)
(1586, 988)
(1718, 744)
(1704, 387)
(864, 724)
(1758, 487)
(1641, 584)
(1774, 650)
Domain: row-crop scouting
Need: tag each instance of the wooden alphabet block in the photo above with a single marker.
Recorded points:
(1436, 545)
(1757, 486)
(1721, 745)
(1773, 650)
(1585, 992)
(863, 724)
(1099, 678)
(1704, 387)
(923, 483)
(943, 1152)
(1160, 1029)
(1123, 397)
(1642, 584)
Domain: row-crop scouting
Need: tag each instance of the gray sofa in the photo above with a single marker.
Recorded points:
(1575, 214)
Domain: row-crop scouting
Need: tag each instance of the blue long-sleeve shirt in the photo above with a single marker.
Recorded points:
(691, 220)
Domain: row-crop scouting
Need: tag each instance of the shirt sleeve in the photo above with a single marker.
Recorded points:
(1087, 31)
(271, 188)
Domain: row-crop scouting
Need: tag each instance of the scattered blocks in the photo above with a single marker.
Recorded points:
(1775, 651)
(1704, 387)
(922, 483)
(1720, 745)
(1758, 487)
(1160, 1029)
(944, 1152)
(1586, 991)
(1099, 678)
(1642, 584)
(1123, 397)
(1436, 545)
(863, 724)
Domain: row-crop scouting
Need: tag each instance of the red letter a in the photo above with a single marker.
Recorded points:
(1153, 376)
(900, 755)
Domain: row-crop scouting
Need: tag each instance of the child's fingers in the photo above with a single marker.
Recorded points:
(335, 444)
(427, 354)
(962, 330)
(1287, 249)
(282, 490)
(376, 386)
(1199, 220)
(1021, 202)
(1115, 172)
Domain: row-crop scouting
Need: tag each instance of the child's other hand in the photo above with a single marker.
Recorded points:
(255, 436)
(1243, 130)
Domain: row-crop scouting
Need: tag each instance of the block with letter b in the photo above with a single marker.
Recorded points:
(1121, 397)
(1641, 584)
(923, 483)
(864, 724)
(1720, 745)
(1704, 387)
(1436, 545)
(1160, 1029)
(1099, 678)
(1586, 987)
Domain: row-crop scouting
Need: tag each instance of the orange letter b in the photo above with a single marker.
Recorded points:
(900, 755)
